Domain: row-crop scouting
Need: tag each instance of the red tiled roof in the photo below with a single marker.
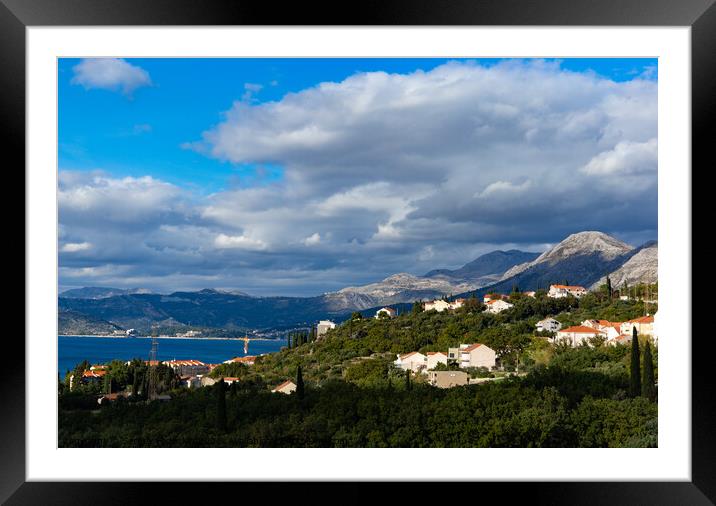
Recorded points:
(580, 329)
(284, 384)
(472, 347)
(569, 287)
(643, 319)
(431, 353)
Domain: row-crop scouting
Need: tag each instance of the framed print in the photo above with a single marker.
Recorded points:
(426, 243)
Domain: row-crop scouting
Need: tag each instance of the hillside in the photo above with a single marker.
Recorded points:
(77, 324)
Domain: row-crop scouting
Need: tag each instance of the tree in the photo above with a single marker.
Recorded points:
(648, 386)
(408, 386)
(355, 315)
(417, 307)
(609, 287)
(299, 383)
(221, 405)
(635, 378)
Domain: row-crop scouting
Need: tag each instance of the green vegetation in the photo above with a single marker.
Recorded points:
(349, 393)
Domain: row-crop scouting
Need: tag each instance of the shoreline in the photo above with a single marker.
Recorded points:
(208, 338)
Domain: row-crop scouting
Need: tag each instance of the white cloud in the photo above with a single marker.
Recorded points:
(72, 247)
(238, 242)
(110, 74)
(312, 240)
(626, 157)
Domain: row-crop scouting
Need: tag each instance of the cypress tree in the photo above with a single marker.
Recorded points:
(648, 386)
(408, 386)
(635, 378)
(299, 383)
(609, 287)
(221, 405)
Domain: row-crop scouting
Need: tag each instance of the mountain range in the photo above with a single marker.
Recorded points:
(584, 258)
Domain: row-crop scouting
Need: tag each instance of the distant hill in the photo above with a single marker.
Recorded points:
(582, 259)
(74, 323)
(99, 292)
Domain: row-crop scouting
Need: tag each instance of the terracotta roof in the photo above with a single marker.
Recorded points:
(94, 374)
(643, 319)
(568, 287)
(284, 384)
(580, 329)
(472, 347)
(183, 362)
(435, 353)
(403, 357)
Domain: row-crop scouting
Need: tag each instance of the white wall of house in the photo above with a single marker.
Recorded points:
(482, 356)
(434, 359)
(497, 306)
(548, 325)
(414, 362)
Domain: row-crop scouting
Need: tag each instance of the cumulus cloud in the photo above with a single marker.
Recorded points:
(383, 173)
(113, 74)
(626, 157)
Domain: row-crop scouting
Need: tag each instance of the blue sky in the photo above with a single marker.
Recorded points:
(211, 141)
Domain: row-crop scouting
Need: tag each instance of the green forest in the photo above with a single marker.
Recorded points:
(351, 395)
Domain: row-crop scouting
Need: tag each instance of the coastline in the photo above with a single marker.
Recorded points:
(208, 338)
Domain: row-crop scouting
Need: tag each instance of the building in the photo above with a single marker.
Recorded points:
(207, 381)
(497, 306)
(494, 296)
(530, 294)
(434, 358)
(230, 379)
(90, 375)
(389, 311)
(190, 381)
(453, 355)
(189, 333)
(323, 327)
(413, 361)
(643, 325)
(247, 360)
(440, 305)
(559, 291)
(623, 339)
(477, 355)
(548, 325)
(187, 367)
(578, 334)
(447, 379)
(611, 330)
(287, 387)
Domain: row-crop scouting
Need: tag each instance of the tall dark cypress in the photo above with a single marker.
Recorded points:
(408, 386)
(221, 405)
(648, 386)
(609, 287)
(299, 383)
(635, 378)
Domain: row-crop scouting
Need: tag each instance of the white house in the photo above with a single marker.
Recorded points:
(644, 326)
(413, 361)
(493, 296)
(578, 334)
(548, 325)
(287, 387)
(530, 294)
(386, 310)
(440, 305)
(496, 306)
(559, 291)
(434, 358)
(477, 355)
(611, 330)
(323, 327)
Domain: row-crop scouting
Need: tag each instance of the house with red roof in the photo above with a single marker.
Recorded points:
(643, 325)
(287, 387)
(477, 355)
(497, 306)
(578, 334)
(434, 358)
(559, 291)
(413, 361)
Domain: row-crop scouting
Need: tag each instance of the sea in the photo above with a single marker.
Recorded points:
(71, 350)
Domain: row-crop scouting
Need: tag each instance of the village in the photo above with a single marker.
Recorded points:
(466, 364)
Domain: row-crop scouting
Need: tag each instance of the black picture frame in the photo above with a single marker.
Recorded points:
(700, 15)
